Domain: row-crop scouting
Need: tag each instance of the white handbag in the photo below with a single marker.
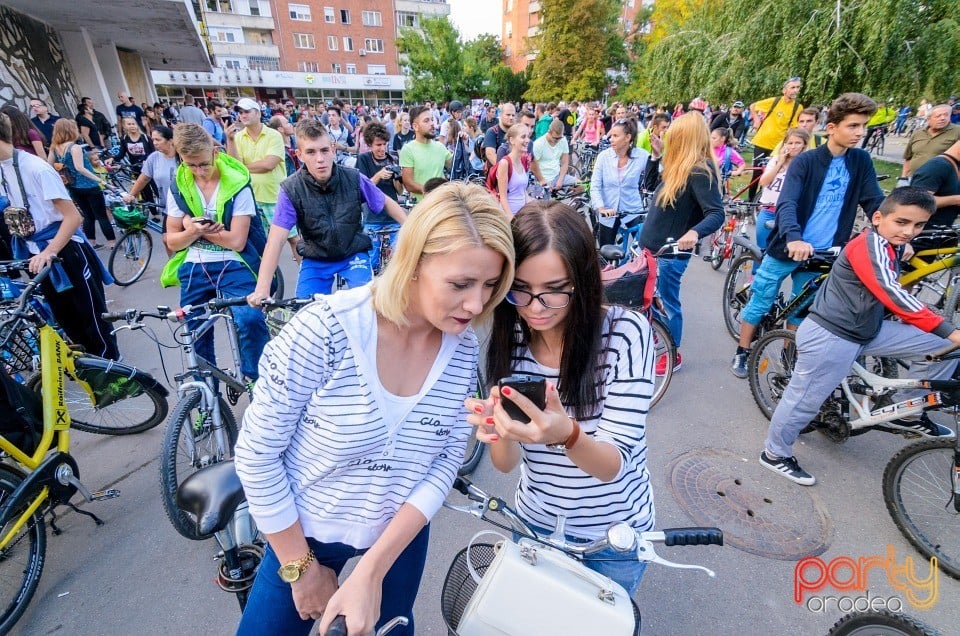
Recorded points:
(531, 589)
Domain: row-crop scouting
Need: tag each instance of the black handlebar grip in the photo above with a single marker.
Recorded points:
(221, 303)
(462, 486)
(338, 627)
(113, 316)
(693, 536)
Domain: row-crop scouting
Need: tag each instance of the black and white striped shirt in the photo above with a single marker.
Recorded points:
(314, 445)
(551, 485)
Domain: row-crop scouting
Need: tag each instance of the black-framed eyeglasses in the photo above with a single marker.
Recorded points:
(550, 299)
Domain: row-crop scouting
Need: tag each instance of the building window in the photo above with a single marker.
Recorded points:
(261, 37)
(372, 18)
(303, 41)
(263, 63)
(328, 15)
(408, 19)
(344, 16)
(336, 67)
(309, 67)
(255, 7)
(347, 43)
(233, 63)
(300, 12)
(376, 69)
(333, 43)
(222, 34)
(508, 28)
(509, 6)
(351, 69)
(373, 45)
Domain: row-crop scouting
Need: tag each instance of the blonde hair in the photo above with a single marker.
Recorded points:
(454, 216)
(191, 140)
(689, 148)
(64, 130)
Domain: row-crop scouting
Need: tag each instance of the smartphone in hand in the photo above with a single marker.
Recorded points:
(533, 387)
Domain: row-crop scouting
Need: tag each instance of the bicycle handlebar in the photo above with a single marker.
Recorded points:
(939, 355)
(339, 626)
(692, 536)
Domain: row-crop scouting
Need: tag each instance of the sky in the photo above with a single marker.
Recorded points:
(474, 17)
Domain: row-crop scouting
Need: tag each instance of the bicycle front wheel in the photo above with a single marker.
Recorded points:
(663, 346)
(130, 257)
(770, 367)
(918, 491)
(191, 443)
(21, 561)
(881, 623)
(718, 249)
(736, 291)
(122, 406)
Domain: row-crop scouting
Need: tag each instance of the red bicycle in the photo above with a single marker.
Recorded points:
(740, 215)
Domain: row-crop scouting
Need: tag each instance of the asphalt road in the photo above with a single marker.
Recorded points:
(136, 575)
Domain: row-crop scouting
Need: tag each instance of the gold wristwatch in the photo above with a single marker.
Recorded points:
(290, 572)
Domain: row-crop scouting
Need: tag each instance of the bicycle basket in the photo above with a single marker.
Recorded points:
(459, 585)
(129, 217)
(19, 347)
(632, 284)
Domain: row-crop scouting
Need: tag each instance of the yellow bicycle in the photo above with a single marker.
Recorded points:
(37, 471)
(932, 271)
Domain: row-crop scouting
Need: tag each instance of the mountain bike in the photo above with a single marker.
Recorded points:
(38, 473)
(105, 396)
(876, 143)
(130, 256)
(202, 429)
(475, 598)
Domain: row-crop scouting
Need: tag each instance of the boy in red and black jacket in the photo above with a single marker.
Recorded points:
(846, 321)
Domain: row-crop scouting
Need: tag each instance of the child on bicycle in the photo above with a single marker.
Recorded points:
(816, 210)
(846, 321)
(730, 162)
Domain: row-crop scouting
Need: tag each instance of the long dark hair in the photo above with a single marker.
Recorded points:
(538, 227)
(21, 125)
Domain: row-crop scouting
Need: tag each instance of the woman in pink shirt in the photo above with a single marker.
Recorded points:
(591, 130)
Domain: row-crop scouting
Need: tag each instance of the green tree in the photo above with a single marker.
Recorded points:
(434, 59)
(578, 41)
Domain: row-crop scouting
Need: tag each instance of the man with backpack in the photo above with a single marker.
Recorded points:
(779, 114)
(496, 135)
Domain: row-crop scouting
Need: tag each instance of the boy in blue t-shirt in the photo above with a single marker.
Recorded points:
(816, 210)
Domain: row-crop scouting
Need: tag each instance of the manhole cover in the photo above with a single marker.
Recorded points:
(757, 513)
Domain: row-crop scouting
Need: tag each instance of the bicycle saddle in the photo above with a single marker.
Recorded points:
(611, 252)
(211, 495)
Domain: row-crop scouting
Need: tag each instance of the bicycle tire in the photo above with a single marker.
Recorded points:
(278, 285)
(770, 367)
(176, 463)
(951, 302)
(663, 345)
(923, 470)
(717, 249)
(144, 409)
(134, 248)
(475, 448)
(881, 623)
(16, 590)
(736, 291)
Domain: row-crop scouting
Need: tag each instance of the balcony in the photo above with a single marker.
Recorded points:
(235, 49)
(424, 7)
(217, 19)
(534, 7)
(533, 31)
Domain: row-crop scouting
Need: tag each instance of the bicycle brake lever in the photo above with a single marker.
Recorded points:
(645, 552)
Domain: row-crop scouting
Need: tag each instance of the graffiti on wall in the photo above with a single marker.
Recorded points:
(33, 64)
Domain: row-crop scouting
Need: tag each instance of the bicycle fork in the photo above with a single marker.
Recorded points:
(209, 404)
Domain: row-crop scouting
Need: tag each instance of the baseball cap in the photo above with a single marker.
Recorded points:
(697, 104)
(738, 104)
(246, 103)
(455, 106)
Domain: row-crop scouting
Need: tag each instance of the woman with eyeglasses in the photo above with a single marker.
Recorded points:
(583, 457)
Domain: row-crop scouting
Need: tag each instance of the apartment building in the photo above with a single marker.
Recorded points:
(522, 20)
(304, 50)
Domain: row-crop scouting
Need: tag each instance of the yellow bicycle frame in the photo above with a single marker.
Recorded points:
(56, 359)
(944, 258)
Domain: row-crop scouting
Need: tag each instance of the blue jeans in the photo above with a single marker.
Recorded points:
(316, 277)
(375, 239)
(763, 232)
(669, 273)
(766, 284)
(614, 565)
(200, 283)
(271, 610)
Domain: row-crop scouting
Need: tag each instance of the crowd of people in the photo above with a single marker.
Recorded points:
(363, 404)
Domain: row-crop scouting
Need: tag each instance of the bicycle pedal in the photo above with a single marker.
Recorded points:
(101, 495)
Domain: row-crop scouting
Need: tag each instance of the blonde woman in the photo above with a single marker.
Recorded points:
(687, 205)
(354, 437)
(512, 171)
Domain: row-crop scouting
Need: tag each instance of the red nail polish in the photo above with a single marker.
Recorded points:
(489, 420)
(506, 390)
(478, 409)
(495, 438)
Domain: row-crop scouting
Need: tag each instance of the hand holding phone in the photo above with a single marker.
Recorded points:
(533, 387)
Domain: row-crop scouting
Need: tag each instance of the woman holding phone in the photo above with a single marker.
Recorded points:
(583, 455)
